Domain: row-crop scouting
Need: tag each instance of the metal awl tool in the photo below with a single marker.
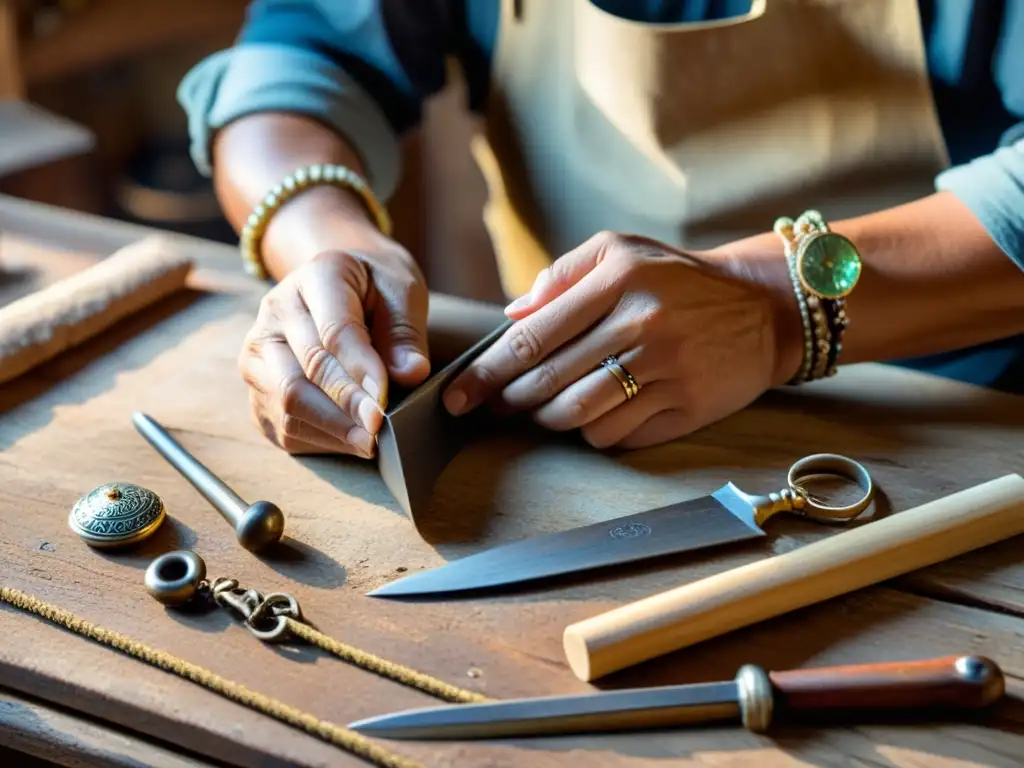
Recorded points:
(256, 525)
(753, 698)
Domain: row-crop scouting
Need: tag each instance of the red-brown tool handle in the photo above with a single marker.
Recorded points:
(951, 682)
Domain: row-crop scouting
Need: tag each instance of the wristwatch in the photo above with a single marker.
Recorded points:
(827, 264)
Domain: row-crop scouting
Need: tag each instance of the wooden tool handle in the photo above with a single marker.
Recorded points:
(956, 682)
(844, 562)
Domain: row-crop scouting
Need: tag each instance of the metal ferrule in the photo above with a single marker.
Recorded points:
(756, 698)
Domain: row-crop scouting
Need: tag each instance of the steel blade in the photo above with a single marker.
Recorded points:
(632, 709)
(725, 516)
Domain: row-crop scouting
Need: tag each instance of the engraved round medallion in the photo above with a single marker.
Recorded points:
(116, 514)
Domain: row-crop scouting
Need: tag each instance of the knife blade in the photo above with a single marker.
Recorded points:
(753, 697)
(728, 515)
(619, 710)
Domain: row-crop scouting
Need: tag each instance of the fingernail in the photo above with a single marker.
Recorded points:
(408, 359)
(521, 303)
(371, 387)
(455, 401)
(524, 301)
(362, 440)
(369, 414)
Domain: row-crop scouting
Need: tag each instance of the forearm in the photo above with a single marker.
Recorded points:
(253, 154)
(933, 281)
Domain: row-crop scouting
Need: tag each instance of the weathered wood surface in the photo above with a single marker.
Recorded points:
(56, 737)
(65, 428)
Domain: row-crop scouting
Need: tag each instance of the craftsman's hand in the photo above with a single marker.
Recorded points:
(327, 340)
(700, 337)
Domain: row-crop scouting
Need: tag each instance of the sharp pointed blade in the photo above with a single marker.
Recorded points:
(599, 712)
(721, 518)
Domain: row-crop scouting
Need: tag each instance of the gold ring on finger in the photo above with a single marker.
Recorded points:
(629, 385)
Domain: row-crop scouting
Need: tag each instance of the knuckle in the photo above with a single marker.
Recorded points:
(404, 331)
(291, 393)
(607, 238)
(343, 393)
(524, 344)
(575, 409)
(291, 426)
(548, 380)
(316, 362)
(332, 332)
(252, 348)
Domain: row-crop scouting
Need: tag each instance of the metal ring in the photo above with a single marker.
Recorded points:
(175, 578)
(831, 464)
(625, 378)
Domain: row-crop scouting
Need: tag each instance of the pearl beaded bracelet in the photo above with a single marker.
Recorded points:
(291, 185)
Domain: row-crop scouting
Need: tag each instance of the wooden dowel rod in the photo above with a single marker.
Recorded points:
(842, 563)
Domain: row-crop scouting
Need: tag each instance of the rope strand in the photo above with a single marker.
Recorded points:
(383, 667)
(348, 740)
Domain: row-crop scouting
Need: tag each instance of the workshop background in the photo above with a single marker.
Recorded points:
(89, 121)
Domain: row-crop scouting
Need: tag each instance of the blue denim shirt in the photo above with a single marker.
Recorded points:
(366, 67)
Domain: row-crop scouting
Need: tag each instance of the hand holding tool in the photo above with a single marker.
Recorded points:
(753, 698)
(726, 516)
(870, 554)
(256, 525)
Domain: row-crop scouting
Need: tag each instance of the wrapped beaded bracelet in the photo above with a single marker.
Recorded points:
(824, 268)
(291, 185)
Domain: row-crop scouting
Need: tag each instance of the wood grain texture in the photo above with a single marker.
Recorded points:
(65, 428)
(55, 737)
(912, 685)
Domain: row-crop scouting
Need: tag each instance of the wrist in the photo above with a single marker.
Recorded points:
(322, 218)
(760, 262)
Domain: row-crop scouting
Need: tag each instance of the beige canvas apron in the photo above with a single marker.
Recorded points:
(698, 133)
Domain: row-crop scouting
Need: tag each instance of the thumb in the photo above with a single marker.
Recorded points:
(400, 333)
(555, 280)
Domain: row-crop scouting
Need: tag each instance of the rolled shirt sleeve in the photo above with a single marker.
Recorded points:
(992, 187)
(322, 60)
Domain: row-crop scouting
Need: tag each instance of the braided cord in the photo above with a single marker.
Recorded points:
(383, 667)
(348, 740)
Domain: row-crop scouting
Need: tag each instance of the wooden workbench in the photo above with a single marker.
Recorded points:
(65, 429)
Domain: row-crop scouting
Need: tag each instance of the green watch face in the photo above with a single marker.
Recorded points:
(828, 265)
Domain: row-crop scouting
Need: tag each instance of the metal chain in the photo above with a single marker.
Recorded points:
(276, 618)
